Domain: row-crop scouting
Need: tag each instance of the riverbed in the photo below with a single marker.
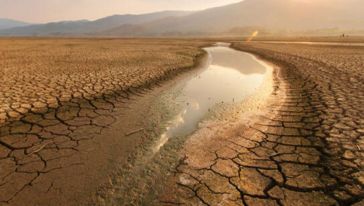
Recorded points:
(224, 80)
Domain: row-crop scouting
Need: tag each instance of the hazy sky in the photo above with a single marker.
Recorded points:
(55, 10)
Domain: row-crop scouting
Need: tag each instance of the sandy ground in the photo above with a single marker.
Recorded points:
(303, 147)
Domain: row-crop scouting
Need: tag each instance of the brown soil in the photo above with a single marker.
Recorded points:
(66, 104)
(68, 107)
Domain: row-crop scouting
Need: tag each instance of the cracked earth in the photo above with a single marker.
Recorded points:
(57, 95)
(305, 149)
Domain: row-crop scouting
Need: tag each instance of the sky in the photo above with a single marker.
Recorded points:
(41, 11)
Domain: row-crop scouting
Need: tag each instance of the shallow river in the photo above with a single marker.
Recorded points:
(225, 80)
(230, 76)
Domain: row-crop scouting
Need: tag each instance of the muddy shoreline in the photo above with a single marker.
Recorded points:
(131, 180)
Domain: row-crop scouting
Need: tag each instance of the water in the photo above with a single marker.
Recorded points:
(229, 77)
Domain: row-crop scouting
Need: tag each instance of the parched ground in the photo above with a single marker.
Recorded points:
(61, 97)
(41, 73)
(56, 95)
(307, 149)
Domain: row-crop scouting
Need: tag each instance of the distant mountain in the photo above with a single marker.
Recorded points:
(267, 16)
(9, 23)
(85, 27)
(271, 15)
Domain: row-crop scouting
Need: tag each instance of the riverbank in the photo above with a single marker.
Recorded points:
(305, 150)
(184, 107)
(202, 175)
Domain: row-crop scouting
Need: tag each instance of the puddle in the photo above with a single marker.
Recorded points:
(229, 77)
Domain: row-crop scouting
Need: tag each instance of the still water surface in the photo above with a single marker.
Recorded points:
(229, 77)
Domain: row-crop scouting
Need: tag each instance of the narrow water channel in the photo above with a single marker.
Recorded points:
(225, 79)
(229, 77)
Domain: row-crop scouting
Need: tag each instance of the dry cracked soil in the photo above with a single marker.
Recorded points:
(56, 95)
